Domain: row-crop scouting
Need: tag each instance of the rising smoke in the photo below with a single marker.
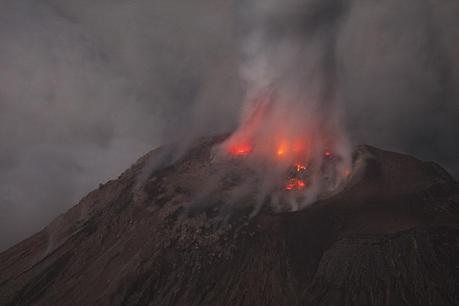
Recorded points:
(293, 107)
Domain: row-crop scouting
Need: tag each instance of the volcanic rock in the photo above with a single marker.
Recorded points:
(391, 237)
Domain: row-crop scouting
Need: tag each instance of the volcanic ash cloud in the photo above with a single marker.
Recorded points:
(291, 117)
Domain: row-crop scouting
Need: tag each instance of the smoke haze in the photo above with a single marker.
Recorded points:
(87, 87)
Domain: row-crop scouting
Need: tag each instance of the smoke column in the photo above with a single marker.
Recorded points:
(292, 103)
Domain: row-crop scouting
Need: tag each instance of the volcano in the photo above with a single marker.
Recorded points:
(167, 233)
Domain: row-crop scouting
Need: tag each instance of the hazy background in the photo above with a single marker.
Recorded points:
(87, 87)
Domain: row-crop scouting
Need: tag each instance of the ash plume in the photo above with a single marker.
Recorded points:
(293, 106)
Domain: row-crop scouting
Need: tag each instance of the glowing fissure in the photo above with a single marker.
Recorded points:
(240, 149)
(296, 180)
(294, 184)
(311, 156)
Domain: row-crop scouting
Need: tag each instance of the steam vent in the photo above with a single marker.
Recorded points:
(180, 232)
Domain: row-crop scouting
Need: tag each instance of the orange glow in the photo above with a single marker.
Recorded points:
(297, 149)
(300, 146)
(280, 152)
(282, 148)
(300, 167)
(272, 135)
(240, 150)
(295, 184)
(240, 143)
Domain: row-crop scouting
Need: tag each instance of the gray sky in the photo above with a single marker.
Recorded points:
(87, 87)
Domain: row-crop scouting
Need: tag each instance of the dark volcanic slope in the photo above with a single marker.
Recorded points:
(390, 238)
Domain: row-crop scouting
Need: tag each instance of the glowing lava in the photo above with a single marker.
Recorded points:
(295, 152)
(280, 152)
(240, 150)
(328, 153)
(295, 184)
(347, 173)
(282, 148)
(300, 167)
(291, 148)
